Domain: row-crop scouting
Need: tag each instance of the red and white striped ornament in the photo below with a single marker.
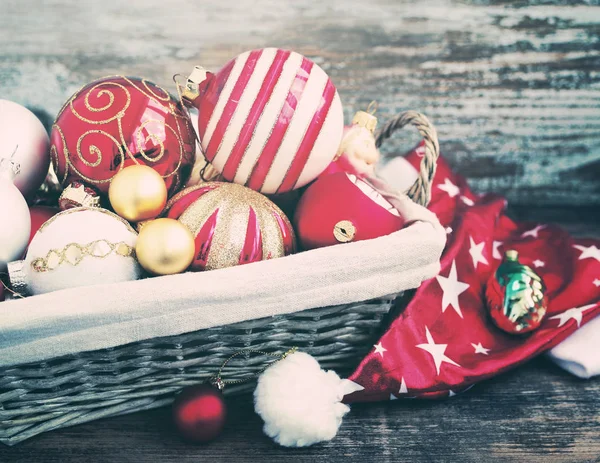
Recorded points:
(232, 225)
(270, 119)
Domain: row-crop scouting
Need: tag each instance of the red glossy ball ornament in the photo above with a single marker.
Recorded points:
(115, 122)
(341, 208)
(270, 119)
(199, 413)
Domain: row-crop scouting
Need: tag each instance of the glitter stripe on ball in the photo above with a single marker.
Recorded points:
(232, 225)
(256, 111)
(216, 88)
(274, 120)
(263, 165)
(252, 250)
(270, 118)
(228, 112)
(237, 123)
(203, 241)
(309, 102)
(222, 98)
(307, 146)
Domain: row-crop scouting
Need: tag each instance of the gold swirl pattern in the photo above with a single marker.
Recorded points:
(166, 97)
(86, 101)
(170, 141)
(75, 253)
(93, 149)
(54, 155)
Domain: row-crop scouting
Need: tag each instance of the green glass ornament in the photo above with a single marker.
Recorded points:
(515, 295)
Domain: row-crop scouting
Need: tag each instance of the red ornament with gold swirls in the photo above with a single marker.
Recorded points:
(232, 225)
(115, 122)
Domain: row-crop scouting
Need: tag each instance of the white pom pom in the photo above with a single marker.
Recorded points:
(300, 403)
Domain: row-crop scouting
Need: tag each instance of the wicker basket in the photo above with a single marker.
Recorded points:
(76, 388)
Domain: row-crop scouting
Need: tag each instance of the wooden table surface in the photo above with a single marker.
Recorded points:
(513, 88)
(536, 412)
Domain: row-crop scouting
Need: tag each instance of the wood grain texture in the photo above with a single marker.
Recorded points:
(513, 87)
(535, 414)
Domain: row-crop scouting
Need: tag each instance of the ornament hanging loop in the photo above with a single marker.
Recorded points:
(218, 381)
(420, 191)
(9, 167)
(373, 107)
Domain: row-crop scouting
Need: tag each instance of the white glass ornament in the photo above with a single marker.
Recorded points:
(81, 247)
(24, 140)
(15, 222)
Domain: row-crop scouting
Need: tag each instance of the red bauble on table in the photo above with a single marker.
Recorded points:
(271, 119)
(340, 208)
(199, 413)
(115, 122)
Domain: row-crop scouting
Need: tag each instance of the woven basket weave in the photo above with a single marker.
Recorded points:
(82, 387)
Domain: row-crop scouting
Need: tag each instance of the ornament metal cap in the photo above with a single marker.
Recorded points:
(78, 195)
(366, 118)
(17, 277)
(191, 91)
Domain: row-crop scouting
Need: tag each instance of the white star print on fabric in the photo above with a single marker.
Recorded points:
(479, 349)
(476, 251)
(451, 393)
(539, 263)
(574, 313)
(403, 388)
(449, 188)
(533, 232)
(436, 351)
(597, 283)
(588, 252)
(451, 288)
(379, 349)
(467, 201)
(496, 251)
(448, 230)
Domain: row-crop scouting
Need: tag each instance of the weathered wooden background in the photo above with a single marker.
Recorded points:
(513, 86)
(514, 89)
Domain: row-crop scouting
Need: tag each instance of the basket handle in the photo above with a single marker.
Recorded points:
(420, 191)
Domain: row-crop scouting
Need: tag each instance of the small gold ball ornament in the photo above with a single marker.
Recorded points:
(165, 247)
(138, 193)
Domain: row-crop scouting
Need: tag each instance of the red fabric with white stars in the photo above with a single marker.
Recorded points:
(443, 342)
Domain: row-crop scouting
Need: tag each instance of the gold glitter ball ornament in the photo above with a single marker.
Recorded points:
(164, 247)
(231, 224)
(138, 193)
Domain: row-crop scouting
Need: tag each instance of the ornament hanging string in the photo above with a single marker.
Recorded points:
(207, 165)
(218, 381)
(14, 293)
(373, 107)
